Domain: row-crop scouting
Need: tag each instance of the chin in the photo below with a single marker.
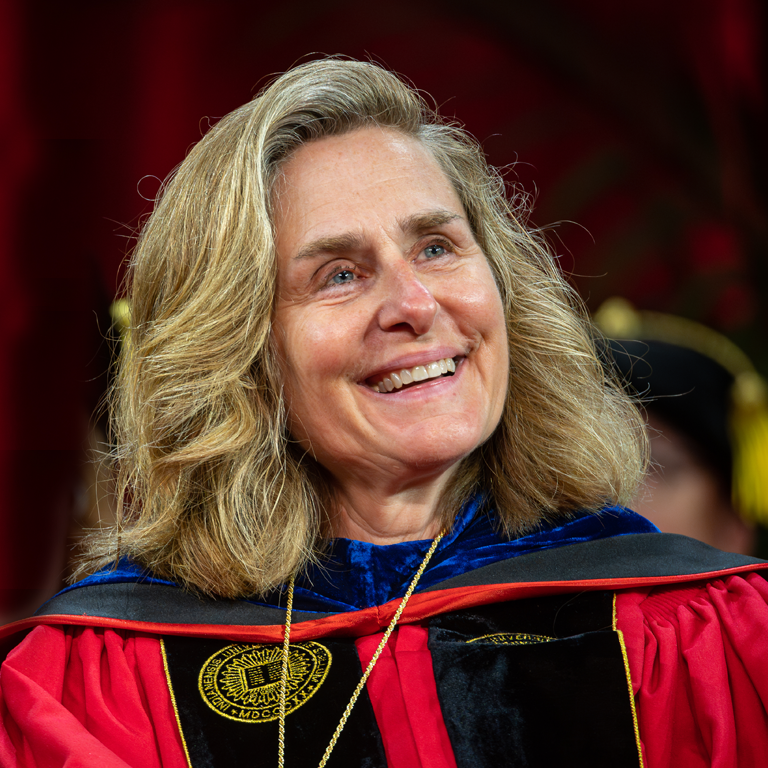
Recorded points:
(442, 451)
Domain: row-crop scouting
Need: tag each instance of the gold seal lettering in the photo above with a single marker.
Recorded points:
(512, 638)
(242, 682)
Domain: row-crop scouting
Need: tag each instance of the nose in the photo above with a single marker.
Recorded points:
(407, 303)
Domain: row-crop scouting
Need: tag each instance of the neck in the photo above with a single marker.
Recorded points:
(408, 514)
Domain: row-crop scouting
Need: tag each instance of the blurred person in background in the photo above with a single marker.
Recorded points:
(707, 414)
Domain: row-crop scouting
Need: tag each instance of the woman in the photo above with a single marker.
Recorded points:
(367, 455)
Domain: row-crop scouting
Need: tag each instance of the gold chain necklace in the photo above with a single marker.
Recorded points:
(368, 669)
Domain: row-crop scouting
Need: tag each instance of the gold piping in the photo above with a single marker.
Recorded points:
(629, 683)
(173, 701)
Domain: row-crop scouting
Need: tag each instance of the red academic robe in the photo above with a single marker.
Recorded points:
(95, 689)
(92, 691)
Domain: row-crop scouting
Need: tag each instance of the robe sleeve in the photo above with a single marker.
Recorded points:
(80, 697)
(698, 659)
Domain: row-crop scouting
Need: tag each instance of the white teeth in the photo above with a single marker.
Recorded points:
(417, 373)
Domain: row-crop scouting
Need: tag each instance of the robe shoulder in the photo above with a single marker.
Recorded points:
(82, 696)
(699, 669)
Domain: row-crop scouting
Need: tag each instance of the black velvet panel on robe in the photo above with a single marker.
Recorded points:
(213, 739)
(547, 688)
(530, 683)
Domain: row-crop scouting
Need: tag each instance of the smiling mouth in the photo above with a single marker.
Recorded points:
(409, 377)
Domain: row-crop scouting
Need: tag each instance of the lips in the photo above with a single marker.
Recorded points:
(406, 377)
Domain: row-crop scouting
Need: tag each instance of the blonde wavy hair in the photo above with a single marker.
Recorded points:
(212, 492)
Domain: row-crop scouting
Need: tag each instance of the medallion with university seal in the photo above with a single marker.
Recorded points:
(242, 682)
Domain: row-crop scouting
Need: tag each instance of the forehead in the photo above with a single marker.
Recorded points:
(372, 175)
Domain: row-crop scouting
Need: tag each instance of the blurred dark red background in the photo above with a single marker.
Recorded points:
(641, 127)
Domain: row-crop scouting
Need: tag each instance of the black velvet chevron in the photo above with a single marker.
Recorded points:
(564, 702)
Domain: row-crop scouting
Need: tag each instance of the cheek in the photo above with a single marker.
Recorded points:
(482, 310)
(491, 323)
(315, 351)
(479, 294)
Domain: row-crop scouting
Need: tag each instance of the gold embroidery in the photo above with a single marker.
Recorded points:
(512, 638)
(173, 702)
(242, 682)
(629, 683)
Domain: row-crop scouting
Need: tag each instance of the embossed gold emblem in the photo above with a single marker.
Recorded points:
(242, 682)
(512, 638)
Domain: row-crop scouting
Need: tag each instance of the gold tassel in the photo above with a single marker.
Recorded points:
(749, 437)
(120, 312)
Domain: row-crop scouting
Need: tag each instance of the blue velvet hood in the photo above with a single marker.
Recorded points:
(356, 574)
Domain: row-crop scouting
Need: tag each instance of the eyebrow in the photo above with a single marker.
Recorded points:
(412, 225)
(420, 222)
(335, 244)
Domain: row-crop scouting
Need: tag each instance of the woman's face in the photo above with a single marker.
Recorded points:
(380, 279)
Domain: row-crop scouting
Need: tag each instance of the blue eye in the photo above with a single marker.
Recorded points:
(434, 250)
(344, 276)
